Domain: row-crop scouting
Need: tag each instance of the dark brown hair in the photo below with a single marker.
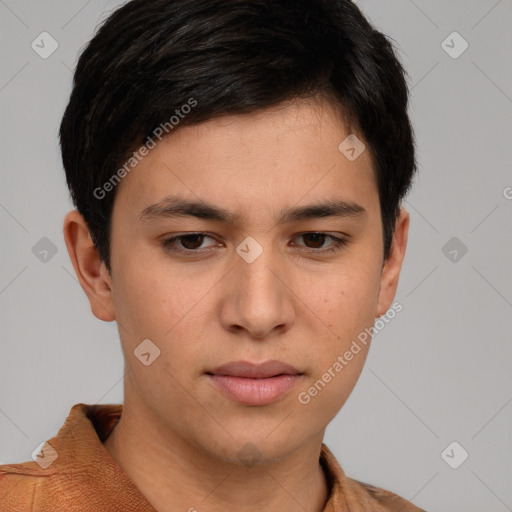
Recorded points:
(149, 58)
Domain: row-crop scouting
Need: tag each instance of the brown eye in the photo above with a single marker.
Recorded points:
(192, 242)
(189, 243)
(314, 243)
(316, 239)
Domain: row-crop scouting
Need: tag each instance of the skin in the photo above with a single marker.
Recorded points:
(178, 438)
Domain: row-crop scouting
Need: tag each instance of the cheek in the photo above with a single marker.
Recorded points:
(345, 301)
(339, 355)
(346, 305)
(153, 303)
(328, 389)
(168, 306)
(152, 299)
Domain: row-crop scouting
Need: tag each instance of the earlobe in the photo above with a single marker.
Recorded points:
(393, 264)
(90, 270)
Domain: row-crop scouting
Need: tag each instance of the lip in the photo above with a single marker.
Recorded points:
(249, 370)
(255, 384)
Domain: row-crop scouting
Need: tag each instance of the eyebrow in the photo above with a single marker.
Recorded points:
(171, 207)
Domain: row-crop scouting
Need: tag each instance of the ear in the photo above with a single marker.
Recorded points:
(393, 264)
(90, 270)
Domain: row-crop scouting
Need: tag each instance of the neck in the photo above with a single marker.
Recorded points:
(174, 475)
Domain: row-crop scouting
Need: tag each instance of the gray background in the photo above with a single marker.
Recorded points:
(440, 372)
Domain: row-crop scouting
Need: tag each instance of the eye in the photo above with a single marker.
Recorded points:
(189, 243)
(192, 243)
(316, 242)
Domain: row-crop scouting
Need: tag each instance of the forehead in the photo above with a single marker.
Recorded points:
(267, 160)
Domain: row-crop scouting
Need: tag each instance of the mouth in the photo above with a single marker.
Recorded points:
(255, 384)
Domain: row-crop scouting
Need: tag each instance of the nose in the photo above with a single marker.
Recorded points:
(257, 299)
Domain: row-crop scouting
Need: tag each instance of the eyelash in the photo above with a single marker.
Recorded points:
(337, 243)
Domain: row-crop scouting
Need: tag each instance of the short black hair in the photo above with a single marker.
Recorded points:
(150, 63)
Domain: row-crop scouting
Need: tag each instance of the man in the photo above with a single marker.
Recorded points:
(238, 169)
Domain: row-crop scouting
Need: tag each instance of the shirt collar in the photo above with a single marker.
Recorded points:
(83, 459)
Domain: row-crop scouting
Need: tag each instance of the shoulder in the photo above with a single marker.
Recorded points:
(350, 494)
(64, 466)
(378, 499)
(21, 484)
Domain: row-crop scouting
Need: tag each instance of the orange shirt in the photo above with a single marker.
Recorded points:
(75, 472)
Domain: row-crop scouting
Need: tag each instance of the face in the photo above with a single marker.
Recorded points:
(251, 274)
